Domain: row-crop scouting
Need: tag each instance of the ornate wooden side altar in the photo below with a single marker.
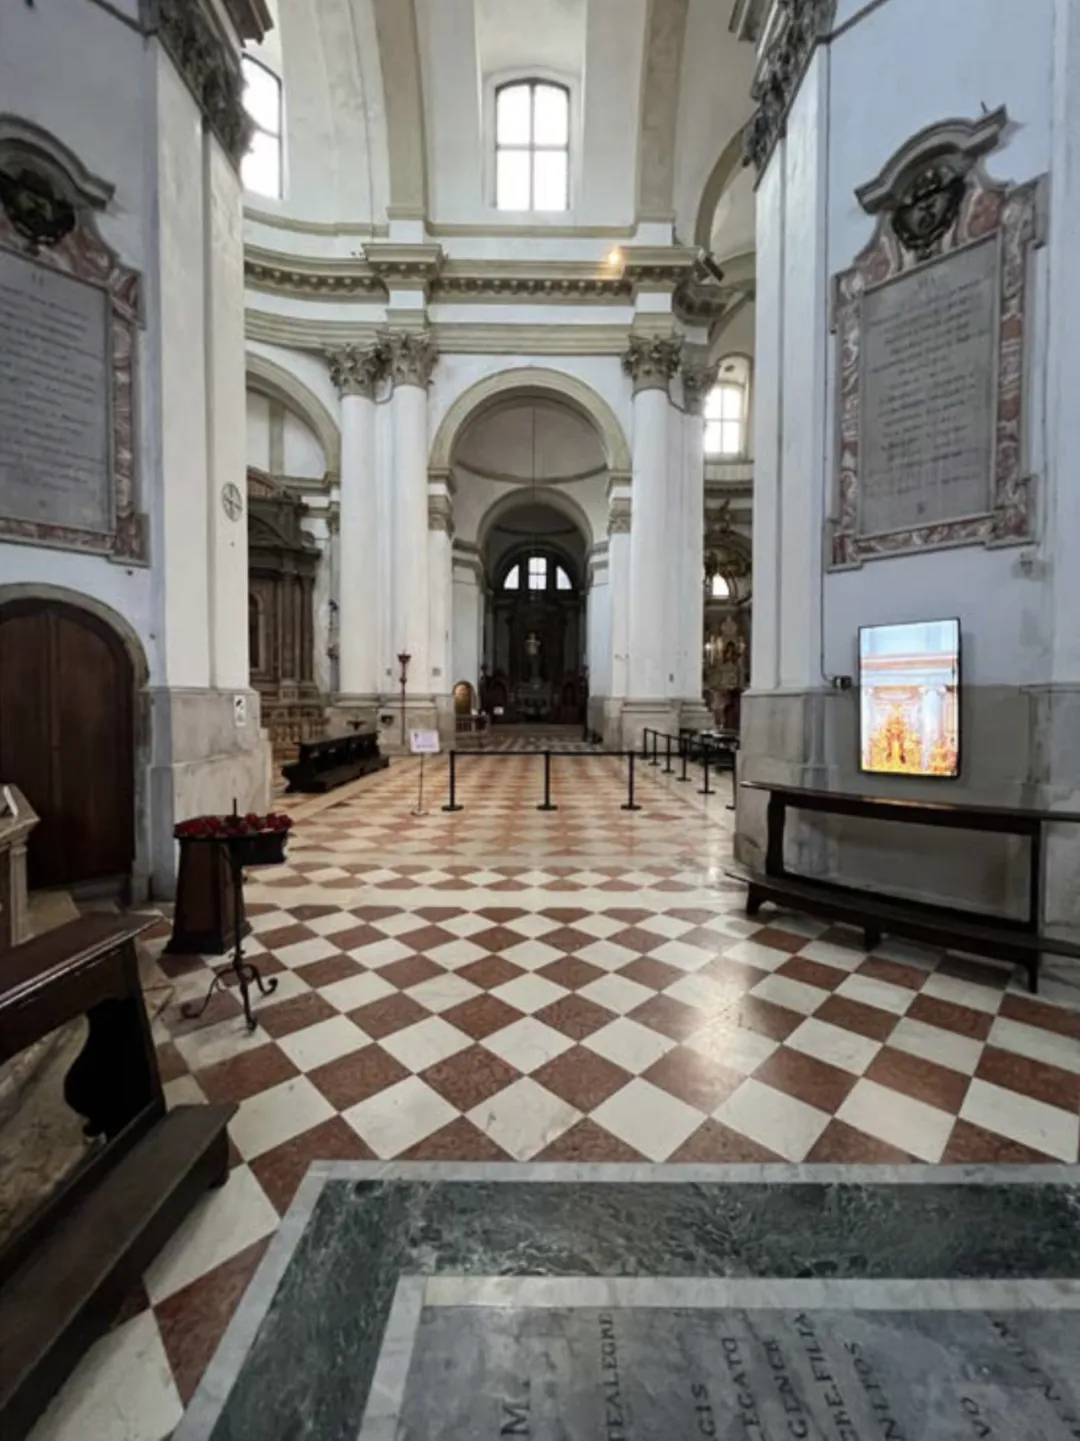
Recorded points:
(282, 561)
(17, 820)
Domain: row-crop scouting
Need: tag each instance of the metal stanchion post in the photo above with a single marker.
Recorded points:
(667, 755)
(655, 758)
(630, 805)
(452, 805)
(547, 806)
(705, 789)
(645, 744)
(684, 746)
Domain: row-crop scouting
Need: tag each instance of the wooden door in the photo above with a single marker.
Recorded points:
(66, 739)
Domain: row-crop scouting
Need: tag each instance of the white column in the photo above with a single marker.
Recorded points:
(441, 571)
(653, 539)
(412, 357)
(698, 378)
(356, 373)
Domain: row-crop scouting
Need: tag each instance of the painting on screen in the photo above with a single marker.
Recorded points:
(910, 698)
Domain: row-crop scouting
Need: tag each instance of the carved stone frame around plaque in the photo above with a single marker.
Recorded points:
(47, 200)
(933, 200)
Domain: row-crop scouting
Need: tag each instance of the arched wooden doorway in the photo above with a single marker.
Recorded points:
(66, 739)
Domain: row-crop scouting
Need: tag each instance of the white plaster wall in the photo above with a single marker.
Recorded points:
(465, 661)
(971, 63)
(258, 430)
(599, 634)
(304, 456)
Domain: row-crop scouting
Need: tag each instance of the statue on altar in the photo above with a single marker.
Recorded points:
(532, 651)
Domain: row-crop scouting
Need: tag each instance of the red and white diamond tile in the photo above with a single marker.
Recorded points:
(578, 985)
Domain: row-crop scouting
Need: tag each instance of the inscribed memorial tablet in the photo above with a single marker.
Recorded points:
(54, 397)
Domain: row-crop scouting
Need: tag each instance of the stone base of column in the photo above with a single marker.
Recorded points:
(695, 715)
(348, 711)
(641, 715)
(602, 717)
(421, 713)
(201, 761)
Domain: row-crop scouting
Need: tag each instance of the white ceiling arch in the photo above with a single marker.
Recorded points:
(270, 379)
(557, 500)
(525, 381)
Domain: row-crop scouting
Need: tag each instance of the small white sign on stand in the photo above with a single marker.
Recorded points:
(423, 743)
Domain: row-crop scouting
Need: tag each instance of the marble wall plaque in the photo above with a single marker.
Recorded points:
(671, 1375)
(928, 359)
(54, 398)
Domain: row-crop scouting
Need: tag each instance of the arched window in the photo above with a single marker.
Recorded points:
(513, 578)
(261, 169)
(537, 572)
(562, 580)
(719, 588)
(532, 146)
(725, 420)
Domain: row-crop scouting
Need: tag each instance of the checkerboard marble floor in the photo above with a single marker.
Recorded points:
(503, 983)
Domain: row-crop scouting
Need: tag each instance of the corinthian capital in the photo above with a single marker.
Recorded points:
(356, 370)
(411, 356)
(698, 378)
(651, 361)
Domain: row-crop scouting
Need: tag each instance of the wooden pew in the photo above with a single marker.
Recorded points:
(65, 1273)
(1018, 941)
(322, 765)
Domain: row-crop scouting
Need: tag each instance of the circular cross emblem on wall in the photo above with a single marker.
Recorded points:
(232, 501)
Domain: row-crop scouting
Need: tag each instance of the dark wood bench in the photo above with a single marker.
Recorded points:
(1016, 940)
(67, 1270)
(720, 747)
(322, 765)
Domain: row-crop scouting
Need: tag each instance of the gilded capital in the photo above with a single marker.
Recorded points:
(356, 370)
(411, 356)
(651, 361)
(698, 378)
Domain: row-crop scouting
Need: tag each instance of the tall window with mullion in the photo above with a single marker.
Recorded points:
(532, 146)
(261, 169)
(725, 420)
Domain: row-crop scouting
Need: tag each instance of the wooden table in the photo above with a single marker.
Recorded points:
(1019, 941)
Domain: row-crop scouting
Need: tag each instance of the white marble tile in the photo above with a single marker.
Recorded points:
(828, 954)
(665, 925)
(787, 1126)
(608, 955)
(270, 920)
(872, 992)
(834, 1045)
(963, 993)
(682, 956)
(184, 1091)
(530, 993)
(395, 1119)
(464, 925)
(734, 1046)
(222, 1223)
(302, 953)
(452, 955)
(792, 995)
(206, 1045)
(524, 1118)
(441, 992)
(934, 1043)
(1035, 1043)
(649, 1119)
(532, 955)
(325, 1041)
(356, 991)
(753, 953)
(617, 993)
(333, 923)
(528, 925)
(121, 1390)
(698, 991)
(1049, 1129)
(599, 926)
(381, 953)
(915, 1127)
(275, 1115)
(426, 1043)
(400, 923)
(629, 1044)
(527, 1044)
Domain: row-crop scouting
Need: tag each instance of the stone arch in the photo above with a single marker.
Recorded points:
(557, 499)
(269, 378)
(525, 380)
(723, 173)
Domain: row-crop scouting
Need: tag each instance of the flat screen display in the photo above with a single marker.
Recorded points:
(909, 698)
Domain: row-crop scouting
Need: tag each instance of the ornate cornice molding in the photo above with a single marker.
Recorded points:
(357, 370)
(698, 378)
(210, 68)
(252, 18)
(651, 361)
(304, 332)
(799, 26)
(411, 356)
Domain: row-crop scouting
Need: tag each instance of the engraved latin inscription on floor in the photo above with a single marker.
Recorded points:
(927, 404)
(54, 397)
(645, 1374)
